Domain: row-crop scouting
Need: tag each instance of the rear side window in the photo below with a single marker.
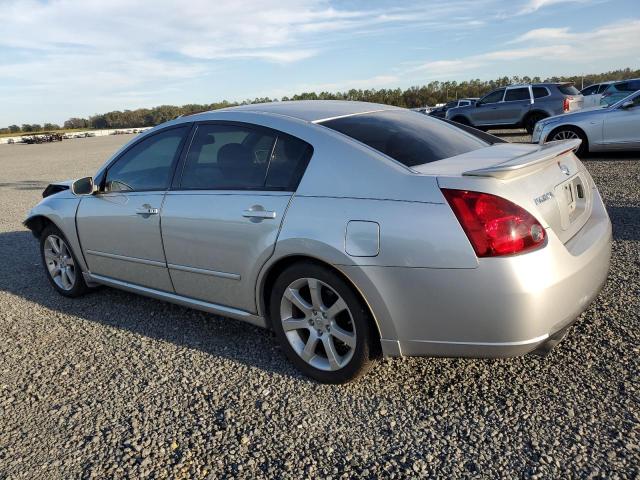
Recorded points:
(517, 94)
(241, 157)
(539, 92)
(568, 89)
(148, 165)
(408, 137)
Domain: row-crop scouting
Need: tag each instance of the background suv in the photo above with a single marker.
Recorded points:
(619, 90)
(518, 106)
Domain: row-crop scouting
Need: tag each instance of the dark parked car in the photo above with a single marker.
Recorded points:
(441, 111)
(518, 106)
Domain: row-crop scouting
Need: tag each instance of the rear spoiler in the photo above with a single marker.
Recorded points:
(528, 162)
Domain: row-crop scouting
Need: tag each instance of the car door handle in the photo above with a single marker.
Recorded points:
(147, 210)
(251, 213)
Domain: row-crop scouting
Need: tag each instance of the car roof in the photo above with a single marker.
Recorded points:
(313, 110)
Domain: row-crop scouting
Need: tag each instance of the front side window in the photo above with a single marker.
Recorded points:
(592, 90)
(239, 157)
(493, 97)
(514, 94)
(603, 87)
(148, 165)
(408, 137)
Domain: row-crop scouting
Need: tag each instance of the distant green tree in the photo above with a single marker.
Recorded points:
(14, 128)
(415, 96)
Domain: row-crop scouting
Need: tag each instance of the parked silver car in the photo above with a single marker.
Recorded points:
(352, 230)
(601, 129)
(518, 106)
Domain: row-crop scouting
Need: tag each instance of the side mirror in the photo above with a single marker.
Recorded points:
(627, 104)
(83, 186)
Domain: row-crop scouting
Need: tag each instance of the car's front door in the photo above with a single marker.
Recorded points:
(621, 127)
(221, 219)
(486, 111)
(119, 227)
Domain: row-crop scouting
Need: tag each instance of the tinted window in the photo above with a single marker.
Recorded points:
(603, 87)
(410, 138)
(493, 97)
(226, 157)
(517, 94)
(539, 92)
(568, 89)
(148, 165)
(631, 86)
(590, 90)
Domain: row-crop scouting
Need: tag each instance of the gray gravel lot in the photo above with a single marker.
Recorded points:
(115, 385)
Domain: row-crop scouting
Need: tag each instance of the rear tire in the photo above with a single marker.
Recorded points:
(568, 133)
(531, 120)
(60, 264)
(321, 324)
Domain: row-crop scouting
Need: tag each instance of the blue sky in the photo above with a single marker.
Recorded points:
(69, 58)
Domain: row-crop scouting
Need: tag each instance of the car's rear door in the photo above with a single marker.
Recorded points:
(517, 102)
(119, 227)
(221, 219)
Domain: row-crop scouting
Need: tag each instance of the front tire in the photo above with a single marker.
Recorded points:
(60, 264)
(570, 133)
(321, 323)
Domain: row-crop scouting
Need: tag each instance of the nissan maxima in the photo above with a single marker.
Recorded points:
(352, 230)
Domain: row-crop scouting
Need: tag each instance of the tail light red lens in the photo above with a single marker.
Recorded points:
(565, 103)
(495, 226)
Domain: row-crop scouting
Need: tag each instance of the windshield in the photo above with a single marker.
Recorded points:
(408, 137)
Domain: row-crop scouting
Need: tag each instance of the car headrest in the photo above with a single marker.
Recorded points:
(234, 155)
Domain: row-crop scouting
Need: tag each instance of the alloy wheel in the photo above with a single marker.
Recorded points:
(318, 324)
(565, 135)
(59, 261)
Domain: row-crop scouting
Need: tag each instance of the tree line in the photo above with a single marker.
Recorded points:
(412, 97)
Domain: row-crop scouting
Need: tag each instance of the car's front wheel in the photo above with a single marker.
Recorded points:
(60, 264)
(570, 133)
(321, 324)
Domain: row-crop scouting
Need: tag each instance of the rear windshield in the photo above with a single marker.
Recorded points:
(568, 89)
(408, 137)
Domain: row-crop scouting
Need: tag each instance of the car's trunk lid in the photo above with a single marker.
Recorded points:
(547, 180)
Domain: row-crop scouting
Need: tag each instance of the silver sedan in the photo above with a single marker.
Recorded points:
(616, 127)
(352, 230)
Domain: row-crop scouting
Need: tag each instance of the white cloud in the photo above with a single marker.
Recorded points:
(576, 50)
(534, 5)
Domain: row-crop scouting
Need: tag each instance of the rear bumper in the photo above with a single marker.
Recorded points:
(506, 307)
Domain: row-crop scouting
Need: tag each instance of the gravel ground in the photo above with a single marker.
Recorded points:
(117, 385)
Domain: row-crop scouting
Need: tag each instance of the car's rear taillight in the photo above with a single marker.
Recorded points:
(495, 226)
(565, 103)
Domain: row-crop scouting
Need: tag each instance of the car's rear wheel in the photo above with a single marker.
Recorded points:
(531, 120)
(570, 133)
(321, 323)
(60, 264)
